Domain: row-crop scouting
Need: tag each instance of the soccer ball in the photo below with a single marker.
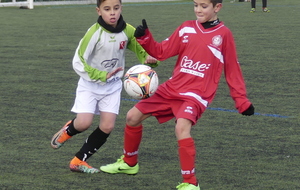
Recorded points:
(140, 82)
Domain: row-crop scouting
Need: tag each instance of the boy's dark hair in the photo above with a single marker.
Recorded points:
(101, 1)
(214, 2)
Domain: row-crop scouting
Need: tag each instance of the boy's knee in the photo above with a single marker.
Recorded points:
(132, 119)
(183, 129)
(107, 127)
(129, 117)
(82, 124)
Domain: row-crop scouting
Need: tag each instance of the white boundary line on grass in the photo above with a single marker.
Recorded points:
(86, 2)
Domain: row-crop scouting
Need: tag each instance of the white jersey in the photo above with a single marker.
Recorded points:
(99, 52)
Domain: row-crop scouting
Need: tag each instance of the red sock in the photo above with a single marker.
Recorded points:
(187, 153)
(132, 140)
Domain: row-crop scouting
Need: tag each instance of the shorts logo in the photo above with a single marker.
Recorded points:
(189, 109)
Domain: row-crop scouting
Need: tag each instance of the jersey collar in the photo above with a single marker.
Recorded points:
(121, 25)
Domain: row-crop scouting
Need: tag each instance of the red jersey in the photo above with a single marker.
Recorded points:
(202, 55)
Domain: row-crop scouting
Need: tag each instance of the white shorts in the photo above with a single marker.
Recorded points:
(95, 98)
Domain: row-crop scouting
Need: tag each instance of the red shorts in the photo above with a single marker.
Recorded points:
(165, 109)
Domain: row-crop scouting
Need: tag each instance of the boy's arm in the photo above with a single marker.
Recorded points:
(234, 77)
(161, 51)
(134, 46)
(83, 51)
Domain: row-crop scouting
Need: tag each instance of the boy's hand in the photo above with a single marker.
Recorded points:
(150, 60)
(140, 30)
(113, 72)
(249, 111)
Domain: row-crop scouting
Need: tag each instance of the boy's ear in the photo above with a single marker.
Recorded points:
(98, 11)
(218, 7)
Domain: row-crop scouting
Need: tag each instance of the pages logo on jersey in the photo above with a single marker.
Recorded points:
(217, 40)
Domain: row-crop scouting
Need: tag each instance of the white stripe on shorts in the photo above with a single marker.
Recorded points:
(196, 96)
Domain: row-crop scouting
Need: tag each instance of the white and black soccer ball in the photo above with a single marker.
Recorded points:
(140, 82)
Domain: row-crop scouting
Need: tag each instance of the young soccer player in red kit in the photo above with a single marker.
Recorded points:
(204, 47)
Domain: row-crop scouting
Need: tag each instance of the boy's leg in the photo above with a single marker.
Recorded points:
(253, 4)
(133, 135)
(91, 145)
(94, 141)
(264, 7)
(187, 153)
(132, 140)
(128, 163)
(186, 150)
(98, 137)
(64, 134)
(264, 3)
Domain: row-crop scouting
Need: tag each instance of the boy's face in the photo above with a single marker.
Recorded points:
(205, 11)
(110, 10)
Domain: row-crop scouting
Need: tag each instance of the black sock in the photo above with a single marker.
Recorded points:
(92, 144)
(71, 129)
(253, 3)
(264, 3)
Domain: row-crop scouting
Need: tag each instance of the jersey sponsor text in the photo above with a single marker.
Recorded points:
(194, 68)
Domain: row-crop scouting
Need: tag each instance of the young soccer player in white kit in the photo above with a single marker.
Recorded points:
(99, 60)
(204, 47)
